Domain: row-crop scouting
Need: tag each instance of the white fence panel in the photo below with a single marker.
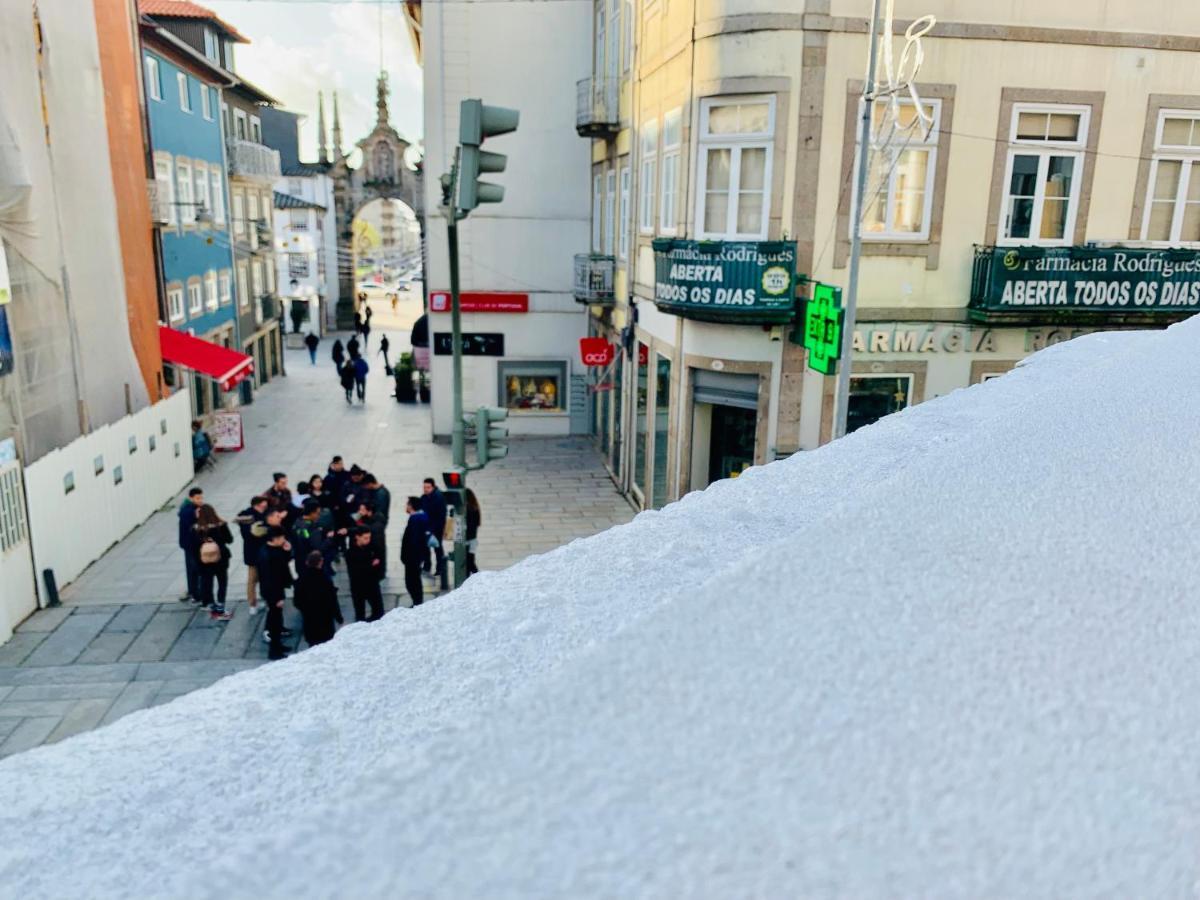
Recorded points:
(86, 496)
(17, 597)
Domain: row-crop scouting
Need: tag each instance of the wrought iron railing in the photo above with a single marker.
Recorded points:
(594, 278)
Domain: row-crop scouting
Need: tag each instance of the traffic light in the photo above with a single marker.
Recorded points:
(456, 488)
(490, 438)
(477, 123)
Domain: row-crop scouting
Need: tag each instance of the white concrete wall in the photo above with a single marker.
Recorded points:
(528, 242)
(71, 530)
(17, 596)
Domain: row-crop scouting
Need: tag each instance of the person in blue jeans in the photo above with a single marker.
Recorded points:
(311, 343)
(187, 521)
(360, 378)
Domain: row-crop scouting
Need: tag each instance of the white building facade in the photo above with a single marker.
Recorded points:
(306, 246)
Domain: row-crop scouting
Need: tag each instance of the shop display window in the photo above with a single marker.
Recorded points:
(874, 396)
(662, 409)
(534, 387)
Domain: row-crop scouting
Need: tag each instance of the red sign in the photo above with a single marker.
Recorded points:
(480, 301)
(595, 351)
(643, 355)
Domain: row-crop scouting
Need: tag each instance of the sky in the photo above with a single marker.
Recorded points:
(300, 47)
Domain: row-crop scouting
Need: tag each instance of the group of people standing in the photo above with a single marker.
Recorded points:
(339, 518)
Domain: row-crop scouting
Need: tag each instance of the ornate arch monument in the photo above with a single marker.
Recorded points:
(382, 175)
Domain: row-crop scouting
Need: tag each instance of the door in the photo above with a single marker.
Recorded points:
(18, 596)
(731, 441)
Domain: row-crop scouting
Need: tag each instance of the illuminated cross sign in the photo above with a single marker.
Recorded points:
(823, 318)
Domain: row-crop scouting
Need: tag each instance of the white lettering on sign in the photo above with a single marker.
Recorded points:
(688, 272)
(934, 339)
(703, 295)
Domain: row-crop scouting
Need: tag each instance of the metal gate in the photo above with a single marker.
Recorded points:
(18, 597)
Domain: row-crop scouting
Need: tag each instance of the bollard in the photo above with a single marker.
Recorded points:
(51, 588)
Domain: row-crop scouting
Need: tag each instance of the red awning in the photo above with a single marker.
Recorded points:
(227, 367)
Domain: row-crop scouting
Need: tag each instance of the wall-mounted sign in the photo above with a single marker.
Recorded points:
(823, 320)
(480, 301)
(748, 282)
(1024, 280)
(596, 351)
(474, 343)
(907, 338)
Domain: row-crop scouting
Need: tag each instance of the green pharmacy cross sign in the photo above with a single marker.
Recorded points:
(823, 318)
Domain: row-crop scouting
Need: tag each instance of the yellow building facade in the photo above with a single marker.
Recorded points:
(1043, 192)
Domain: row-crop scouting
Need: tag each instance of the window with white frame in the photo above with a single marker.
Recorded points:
(1173, 196)
(226, 282)
(736, 137)
(164, 175)
(298, 219)
(195, 300)
(256, 277)
(175, 303)
(205, 102)
(210, 289)
(183, 182)
(238, 199)
(203, 198)
(217, 194)
(185, 98)
(671, 141)
(610, 212)
(598, 54)
(627, 35)
(240, 129)
(295, 187)
(210, 45)
(153, 83)
(597, 212)
(269, 276)
(624, 216)
(243, 286)
(647, 176)
(256, 129)
(899, 196)
(252, 218)
(1043, 173)
(613, 60)
(266, 210)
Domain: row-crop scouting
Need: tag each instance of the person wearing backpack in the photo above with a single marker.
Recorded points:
(212, 550)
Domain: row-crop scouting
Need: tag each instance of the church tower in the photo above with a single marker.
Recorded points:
(337, 130)
(322, 137)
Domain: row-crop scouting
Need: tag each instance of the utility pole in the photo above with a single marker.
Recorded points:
(842, 402)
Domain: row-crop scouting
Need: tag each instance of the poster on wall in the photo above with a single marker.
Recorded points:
(227, 430)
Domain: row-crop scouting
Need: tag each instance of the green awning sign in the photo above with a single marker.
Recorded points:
(823, 319)
(751, 282)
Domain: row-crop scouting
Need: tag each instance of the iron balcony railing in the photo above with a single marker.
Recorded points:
(596, 107)
(594, 278)
(248, 159)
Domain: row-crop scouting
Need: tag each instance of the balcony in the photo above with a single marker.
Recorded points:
(251, 160)
(594, 279)
(1091, 283)
(266, 238)
(596, 107)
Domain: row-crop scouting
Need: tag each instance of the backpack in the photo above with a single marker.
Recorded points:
(210, 552)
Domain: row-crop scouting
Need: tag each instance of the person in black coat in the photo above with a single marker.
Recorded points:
(414, 549)
(352, 348)
(348, 380)
(211, 538)
(275, 577)
(316, 598)
(252, 541)
(187, 521)
(434, 504)
(335, 479)
(364, 565)
(379, 497)
(474, 520)
(311, 342)
(338, 354)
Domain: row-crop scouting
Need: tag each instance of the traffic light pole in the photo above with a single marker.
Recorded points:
(458, 449)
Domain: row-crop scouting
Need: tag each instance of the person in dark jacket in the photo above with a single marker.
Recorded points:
(338, 354)
(352, 348)
(379, 497)
(414, 549)
(309, 535)
(316, 598)
(252, 541)
(358, 319)
(311, 342)
(364, 565)
(366, 331)
(365, 518)
(434, 504)
(275, 577)
(336, 478)
(360, 378)
(474, 520)
(348, 380)
(187, 519)
(212, 539)
(384, 346)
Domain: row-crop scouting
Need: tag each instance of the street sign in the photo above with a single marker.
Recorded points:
(474, 343)
(480, 301)
(596, 351)
(823, 318)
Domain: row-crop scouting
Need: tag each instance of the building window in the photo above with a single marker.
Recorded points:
(203, 200)
(627, 35)
(185, 98)
(662, 415)
(153, 83)
(874, 396)
(218, 196)
(205, 102)
(610, 211)
(623, 216)
(613, 60)
(183, 183)
(195, 301)
(1044, 171)
(1173, 199)
(266, 210)
(226, 287)
(900, 180)
(269, 275)
(295, 187)
(210, 45)
(239, 212)
(533, 386)
(734, 167)
(298, 219)
(239, 124)
(175, 303)
(256, 129)
(597, 212)
(210, 289)
(252, 219)
(165, 178)
(648, 175)
(672, 140)
(242, 286)
(256, 277)
(598, 58)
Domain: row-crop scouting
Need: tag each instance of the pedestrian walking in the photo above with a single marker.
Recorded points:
(394, 297)
(252, 523)
(366, 333)
(348, 380)
(212, 539)
(352, 348)
(311, 343)
(474, 520)
(275, 577)
(360, 378)
(384, 345)
(338, 354)
(364, 565)
(191, 566)
(316, 599)
(434, 503)
(367, 316)
(414, 549)
(358, 319)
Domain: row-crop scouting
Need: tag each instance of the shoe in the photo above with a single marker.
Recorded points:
(266, 637)
(186, 598)
(221, 616)
(252, 610)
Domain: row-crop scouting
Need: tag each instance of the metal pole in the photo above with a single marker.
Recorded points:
(842, 403)
(458, 448)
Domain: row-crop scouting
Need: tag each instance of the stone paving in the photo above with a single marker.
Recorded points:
(122, 641)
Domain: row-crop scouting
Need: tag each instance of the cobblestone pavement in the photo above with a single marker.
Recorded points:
(122, 641)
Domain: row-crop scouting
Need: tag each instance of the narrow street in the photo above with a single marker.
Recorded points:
(122, 641)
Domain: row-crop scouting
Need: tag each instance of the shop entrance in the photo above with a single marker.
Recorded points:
(731, 442)
(724, 425)
(874, 396)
